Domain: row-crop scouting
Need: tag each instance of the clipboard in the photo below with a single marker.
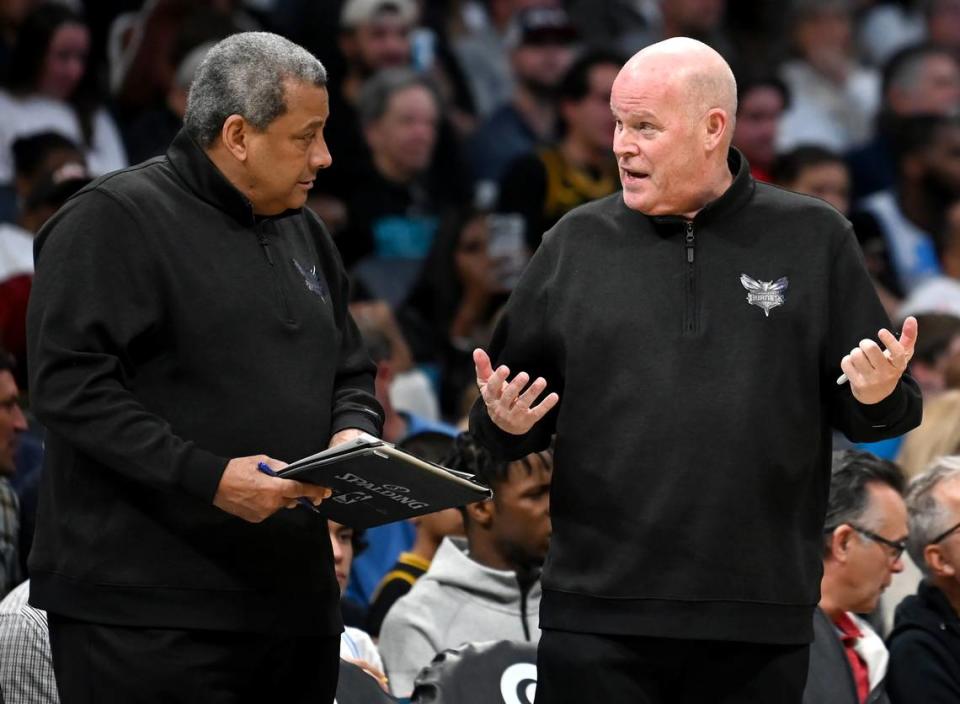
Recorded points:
(374, 483)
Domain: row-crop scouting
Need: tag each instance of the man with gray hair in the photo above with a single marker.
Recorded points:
(925, 642)
(864, 537)
(189, 325)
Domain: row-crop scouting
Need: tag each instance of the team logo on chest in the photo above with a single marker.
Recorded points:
(311, 279)
(765, 294)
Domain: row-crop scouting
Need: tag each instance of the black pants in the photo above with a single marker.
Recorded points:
(577, 668)
(98, 664)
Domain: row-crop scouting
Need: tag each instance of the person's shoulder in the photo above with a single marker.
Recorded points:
(591, 219)
(788, 207)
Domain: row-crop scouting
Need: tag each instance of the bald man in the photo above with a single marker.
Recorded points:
(683, 339)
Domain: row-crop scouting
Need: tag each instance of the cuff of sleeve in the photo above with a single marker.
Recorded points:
(887, 411)
(201, 473)
(368, 422)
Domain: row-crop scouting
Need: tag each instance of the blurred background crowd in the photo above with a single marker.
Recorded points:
(461, 130)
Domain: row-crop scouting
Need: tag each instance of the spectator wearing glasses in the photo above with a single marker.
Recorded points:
(864, 537)
(925, 643)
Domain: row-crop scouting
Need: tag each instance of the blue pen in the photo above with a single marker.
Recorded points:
(303, 501)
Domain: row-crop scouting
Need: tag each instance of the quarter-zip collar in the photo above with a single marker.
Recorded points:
(731, 200)
(203, 177)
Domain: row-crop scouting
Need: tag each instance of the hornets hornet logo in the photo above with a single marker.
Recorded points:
(311, 279)
(765, 294)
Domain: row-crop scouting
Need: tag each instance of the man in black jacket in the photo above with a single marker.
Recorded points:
(695, 425)
(864, 537)
(189, 322)
(925, 642)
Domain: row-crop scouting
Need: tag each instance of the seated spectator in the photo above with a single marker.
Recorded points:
(151, 133)
(545, 185)
(40, 154)
(393, 219)
(925, 643)
(146, 45)
(540, 40)
(486, 587)
(26, 665)
(815, 171)
(451, 307)
(431, 529)
(355, 644)
(49, 88)
(12, 424)
(865, 535)
(375, 35)
(16, 256)
(918, 80)
(833, 99)
(760, 106)
(897, 228)
(479, 673)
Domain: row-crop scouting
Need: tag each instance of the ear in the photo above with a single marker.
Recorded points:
(481, 513)
(235, 134)
(937, 562)
(717, 123)
(567, 109)
(840, 543)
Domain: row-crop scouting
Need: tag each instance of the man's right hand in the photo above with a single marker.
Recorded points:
(248, 493)
(508, 405)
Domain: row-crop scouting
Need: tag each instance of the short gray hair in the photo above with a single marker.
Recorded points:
(244, 75)
(928, 518)
(376, 92)
(851, 473)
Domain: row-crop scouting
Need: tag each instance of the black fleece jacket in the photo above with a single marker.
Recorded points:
(694, 424)
(925, 650)
(170, 330)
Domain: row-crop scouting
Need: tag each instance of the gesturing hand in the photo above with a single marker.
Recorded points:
(873, 374)
(508, 404)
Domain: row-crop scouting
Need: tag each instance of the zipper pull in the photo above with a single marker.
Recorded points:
(265, 243)
(690, 242)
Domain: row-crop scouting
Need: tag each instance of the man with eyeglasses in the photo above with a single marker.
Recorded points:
(865, 534)
(925, 642)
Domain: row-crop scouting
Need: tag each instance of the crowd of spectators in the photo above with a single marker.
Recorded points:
(461, 131)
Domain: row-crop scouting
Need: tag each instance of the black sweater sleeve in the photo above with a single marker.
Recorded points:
(855, 314)
(522, 340)
(94, 304)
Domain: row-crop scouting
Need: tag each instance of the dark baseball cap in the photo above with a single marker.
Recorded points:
(540, 25)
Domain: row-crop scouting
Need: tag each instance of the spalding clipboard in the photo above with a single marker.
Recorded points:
(374, 483)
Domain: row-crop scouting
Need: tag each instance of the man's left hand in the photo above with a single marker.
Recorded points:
(345, 435)
(874, 373)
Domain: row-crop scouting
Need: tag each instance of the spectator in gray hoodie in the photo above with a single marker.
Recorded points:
(483, 587)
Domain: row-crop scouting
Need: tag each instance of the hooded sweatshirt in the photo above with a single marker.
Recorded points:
(696, 363)
(457, 601)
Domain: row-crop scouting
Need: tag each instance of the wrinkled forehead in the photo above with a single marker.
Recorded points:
(646, 89)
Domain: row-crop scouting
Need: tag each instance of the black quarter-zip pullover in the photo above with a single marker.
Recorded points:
(171, 330)
(696, 364)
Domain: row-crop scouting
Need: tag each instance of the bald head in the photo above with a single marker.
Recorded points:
(675, 104)
(689, 71)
